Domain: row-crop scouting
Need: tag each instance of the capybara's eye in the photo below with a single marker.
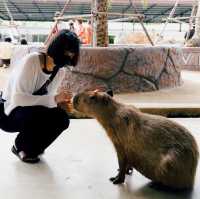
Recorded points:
(93, 97)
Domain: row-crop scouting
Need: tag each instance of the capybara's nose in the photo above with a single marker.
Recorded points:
(75, 100)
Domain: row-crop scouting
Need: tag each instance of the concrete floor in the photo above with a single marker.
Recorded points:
(78, 166)
(81, 160)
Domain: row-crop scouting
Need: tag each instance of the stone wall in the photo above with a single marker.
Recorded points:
(191, 58)
(126, 69)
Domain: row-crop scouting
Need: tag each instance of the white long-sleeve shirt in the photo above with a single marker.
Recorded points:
(26, 78)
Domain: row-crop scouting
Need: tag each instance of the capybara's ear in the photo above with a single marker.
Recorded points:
(96, 91)
(110, 92)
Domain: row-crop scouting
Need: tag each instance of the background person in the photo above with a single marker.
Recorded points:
(23, 42)
(81, 31)
(89, 32)
(6, 49)
(190, 33)
(8, 39)
(71, 26)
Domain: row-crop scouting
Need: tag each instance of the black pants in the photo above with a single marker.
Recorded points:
(38, 127)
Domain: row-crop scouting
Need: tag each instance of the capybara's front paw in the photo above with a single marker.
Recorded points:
(112, 179)
(117, 180)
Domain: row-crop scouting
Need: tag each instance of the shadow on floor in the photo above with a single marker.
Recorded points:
(153, 191)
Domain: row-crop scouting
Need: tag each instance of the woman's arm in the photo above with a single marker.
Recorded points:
(25, 85)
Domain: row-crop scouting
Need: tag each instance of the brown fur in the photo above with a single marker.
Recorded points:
(157, 147)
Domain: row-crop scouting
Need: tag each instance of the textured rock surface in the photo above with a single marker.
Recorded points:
(191, 59)
(126, 69)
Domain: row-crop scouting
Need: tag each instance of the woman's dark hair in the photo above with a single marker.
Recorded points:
(65, 40)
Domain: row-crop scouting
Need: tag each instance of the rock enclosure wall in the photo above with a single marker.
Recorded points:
(126, 69)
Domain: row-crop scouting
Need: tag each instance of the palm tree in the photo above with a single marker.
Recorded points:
(101, 23)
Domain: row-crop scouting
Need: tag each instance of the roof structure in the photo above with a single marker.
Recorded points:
(44, 10)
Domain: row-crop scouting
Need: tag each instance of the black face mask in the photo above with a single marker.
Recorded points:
(64, 41)
(62, 60)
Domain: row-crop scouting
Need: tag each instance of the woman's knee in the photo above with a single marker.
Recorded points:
(61, 118)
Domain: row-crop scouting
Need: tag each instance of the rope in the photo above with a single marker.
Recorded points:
(56, 22)
(8, 11)
(141, 22)
(12, 24)
(167, 21)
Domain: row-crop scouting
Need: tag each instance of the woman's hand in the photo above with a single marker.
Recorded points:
(64, 100)
(63, 96)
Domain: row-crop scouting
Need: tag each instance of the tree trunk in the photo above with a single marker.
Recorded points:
(101, 22)
(195, 41)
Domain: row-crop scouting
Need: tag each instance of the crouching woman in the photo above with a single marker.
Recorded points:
(31, 97)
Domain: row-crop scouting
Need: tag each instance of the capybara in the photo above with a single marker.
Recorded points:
(157, 147)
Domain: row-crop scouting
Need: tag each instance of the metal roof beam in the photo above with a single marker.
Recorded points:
(60, 7)
(27, 17)
(184, 12)
(40, 11)
(82, 9)
(127, 8)
(2, 16)
(160, 14)
(149, 8)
